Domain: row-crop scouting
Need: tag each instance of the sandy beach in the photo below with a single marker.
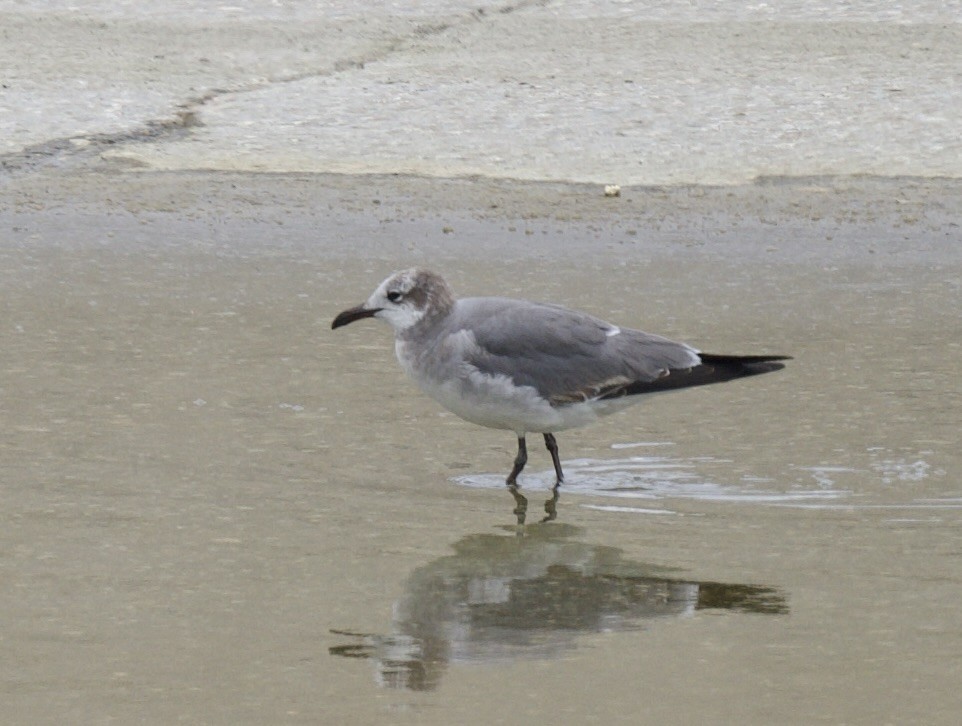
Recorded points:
(217, 510)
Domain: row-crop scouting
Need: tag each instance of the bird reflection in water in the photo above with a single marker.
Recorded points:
(500, 598)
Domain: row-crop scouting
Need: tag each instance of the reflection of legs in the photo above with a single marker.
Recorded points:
(519, 461)
(521, 502)
(551, 505)
(552, 444)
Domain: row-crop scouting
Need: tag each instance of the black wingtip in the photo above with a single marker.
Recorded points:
(737, 366)
(712, 358)
(713, 369)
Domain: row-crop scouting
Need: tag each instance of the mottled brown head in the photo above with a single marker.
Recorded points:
(403, 300)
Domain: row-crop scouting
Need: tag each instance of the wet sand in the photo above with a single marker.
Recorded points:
(217, 510)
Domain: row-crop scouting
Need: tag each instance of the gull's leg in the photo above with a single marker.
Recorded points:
(520, 500)
(519, 461)
(552, 444)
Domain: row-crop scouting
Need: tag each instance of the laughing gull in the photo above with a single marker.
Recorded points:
(532, 367)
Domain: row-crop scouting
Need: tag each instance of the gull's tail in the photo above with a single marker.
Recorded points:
(713, 369)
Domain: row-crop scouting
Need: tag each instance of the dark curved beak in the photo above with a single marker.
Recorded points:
(352, 314)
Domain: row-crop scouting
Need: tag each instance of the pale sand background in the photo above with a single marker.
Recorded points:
(202, 483)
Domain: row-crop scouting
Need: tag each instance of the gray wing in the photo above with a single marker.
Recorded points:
(566, 355)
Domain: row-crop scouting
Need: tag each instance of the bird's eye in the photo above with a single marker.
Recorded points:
(394, 296)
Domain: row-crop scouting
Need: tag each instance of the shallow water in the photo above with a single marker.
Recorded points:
(530, 596)
(217, 510)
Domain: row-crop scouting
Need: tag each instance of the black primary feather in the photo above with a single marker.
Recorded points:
(713, 369)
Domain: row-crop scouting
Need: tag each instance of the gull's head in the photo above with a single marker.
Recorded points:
(403, 300)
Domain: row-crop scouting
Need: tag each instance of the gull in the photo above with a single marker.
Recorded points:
(531, 367)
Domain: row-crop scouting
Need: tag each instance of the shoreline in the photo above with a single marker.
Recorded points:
(899, 221)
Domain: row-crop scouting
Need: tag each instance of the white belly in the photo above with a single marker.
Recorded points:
(496, 402)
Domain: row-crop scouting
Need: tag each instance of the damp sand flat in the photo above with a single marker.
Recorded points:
(217, 510)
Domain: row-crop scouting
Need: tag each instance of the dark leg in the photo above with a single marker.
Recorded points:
(519, 461)
(552, 445)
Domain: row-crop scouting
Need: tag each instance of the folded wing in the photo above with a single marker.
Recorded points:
(569, 356)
